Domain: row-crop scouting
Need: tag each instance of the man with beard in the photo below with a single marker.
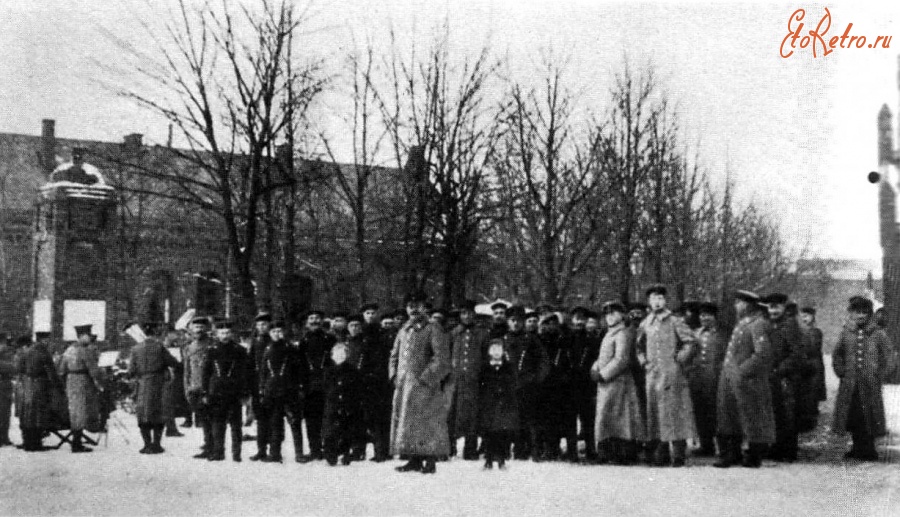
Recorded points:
(703, 376)
(787, 364)
(315, 346)
(558, 405)
(258, 345)
(339, 326)
(665, 348)
(468, 349)
(224, 384)
(585, 348)
(78, 367)
(860, 361)
(194, 360)
(744, 400)
(281, 383)
(419, 363)
(498, 320)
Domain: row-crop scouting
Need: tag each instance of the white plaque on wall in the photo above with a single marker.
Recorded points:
(42, 316)
(84, 312)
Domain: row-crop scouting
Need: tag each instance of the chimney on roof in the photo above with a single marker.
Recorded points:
(48, 145)
(134, 141)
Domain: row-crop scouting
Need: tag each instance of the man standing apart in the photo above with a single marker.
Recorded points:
(666, 347)
(78, 367)
(420, 361)
(744, 400)
(149, 366)
(860, 361)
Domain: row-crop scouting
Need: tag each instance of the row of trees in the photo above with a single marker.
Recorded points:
(460, 179)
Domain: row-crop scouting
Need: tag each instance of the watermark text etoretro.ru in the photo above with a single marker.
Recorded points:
(818, 38)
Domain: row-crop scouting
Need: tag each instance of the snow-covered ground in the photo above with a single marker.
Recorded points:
(116, 480)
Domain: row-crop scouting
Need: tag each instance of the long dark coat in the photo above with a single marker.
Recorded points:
(468, 348)
(225, 376)
(814, 355)
(787, 374)
(497, 404)
(174, 390)
(281, 375)
(78, 366)
(150, 367)
(860, 360)
(618, 407)
(529, 358)
(316, 346)
(668, 346)
(343, 403)
(745, 397)
(38, 379)
(420, 361)
(703, 378)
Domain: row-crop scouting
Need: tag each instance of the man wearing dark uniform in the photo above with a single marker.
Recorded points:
(258, 347)
(371, 353)
(315, 346)
(787, 350)
(34, 366)
(224, 384)
(529, 359)
(703, 376)
(558, 405)
(468, 346)
(585, 349)
(281, 382)
(498, 320)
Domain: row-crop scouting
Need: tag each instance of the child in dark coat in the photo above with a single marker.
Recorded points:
(342, 406)
(498, 413)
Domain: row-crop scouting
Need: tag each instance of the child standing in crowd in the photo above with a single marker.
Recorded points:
(498, 414)
(342, 406)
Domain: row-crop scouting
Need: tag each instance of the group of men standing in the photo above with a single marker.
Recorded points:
(635, 382)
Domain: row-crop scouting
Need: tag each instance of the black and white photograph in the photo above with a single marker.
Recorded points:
(483, 257)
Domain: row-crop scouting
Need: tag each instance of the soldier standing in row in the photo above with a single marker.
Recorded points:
(498, 321)
(815, 391)
(619, 425)
(787, 370)
(745, 398)
(281, 383)
(585, 348)
(666, 347)
(38, 378)
(498, 415)
(224, 384)
(529, 359)
(558, 407)
(150, 366)
(78, 366)
(860, 360)
(468, 348)
(419, 363)
(315, 346)
(258, 344)
(341, 422)
(703, 376)
(373, 353)
(7, 371)
(194, 360)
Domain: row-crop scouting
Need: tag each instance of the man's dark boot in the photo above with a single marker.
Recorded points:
(470, 448)
(156, 448)
(729, 452)
(754, 456)
(148, 442)
(661, 456)
(679, 452)
(274, 454)
(77, 444)
(172, 428)
(429, 466)
(413, 465)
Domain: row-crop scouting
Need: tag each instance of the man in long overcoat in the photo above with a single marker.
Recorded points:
(703, 376)
(151, 365)
(372, 355)
(745, 398)
(585, 348)
(315, 346)
(666, 346)
(815, 391)
(258, 345)
(468, 349)
(193, 360)
(78, 366)
(420, 361)
(7, 371)
(529, 359)
(38, 379)
(860, 360)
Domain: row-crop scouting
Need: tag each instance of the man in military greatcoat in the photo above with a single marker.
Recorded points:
(703, 376)
(744, 400)
(860, 360)
(315, 347)
(468, 349)
(665, 347)
(194, 360)
(224, 383)
(83, 379)
(787, 371)
(150, 366)
(558, 409)
(815, 391)
(38, 379)
(419, 363)
(258, 344)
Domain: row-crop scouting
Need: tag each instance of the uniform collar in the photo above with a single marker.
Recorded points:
(665, 313)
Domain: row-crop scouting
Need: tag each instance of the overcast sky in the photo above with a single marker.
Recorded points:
(799, 133)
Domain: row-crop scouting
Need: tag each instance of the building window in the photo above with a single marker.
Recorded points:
(159, 302)
(210, 289)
